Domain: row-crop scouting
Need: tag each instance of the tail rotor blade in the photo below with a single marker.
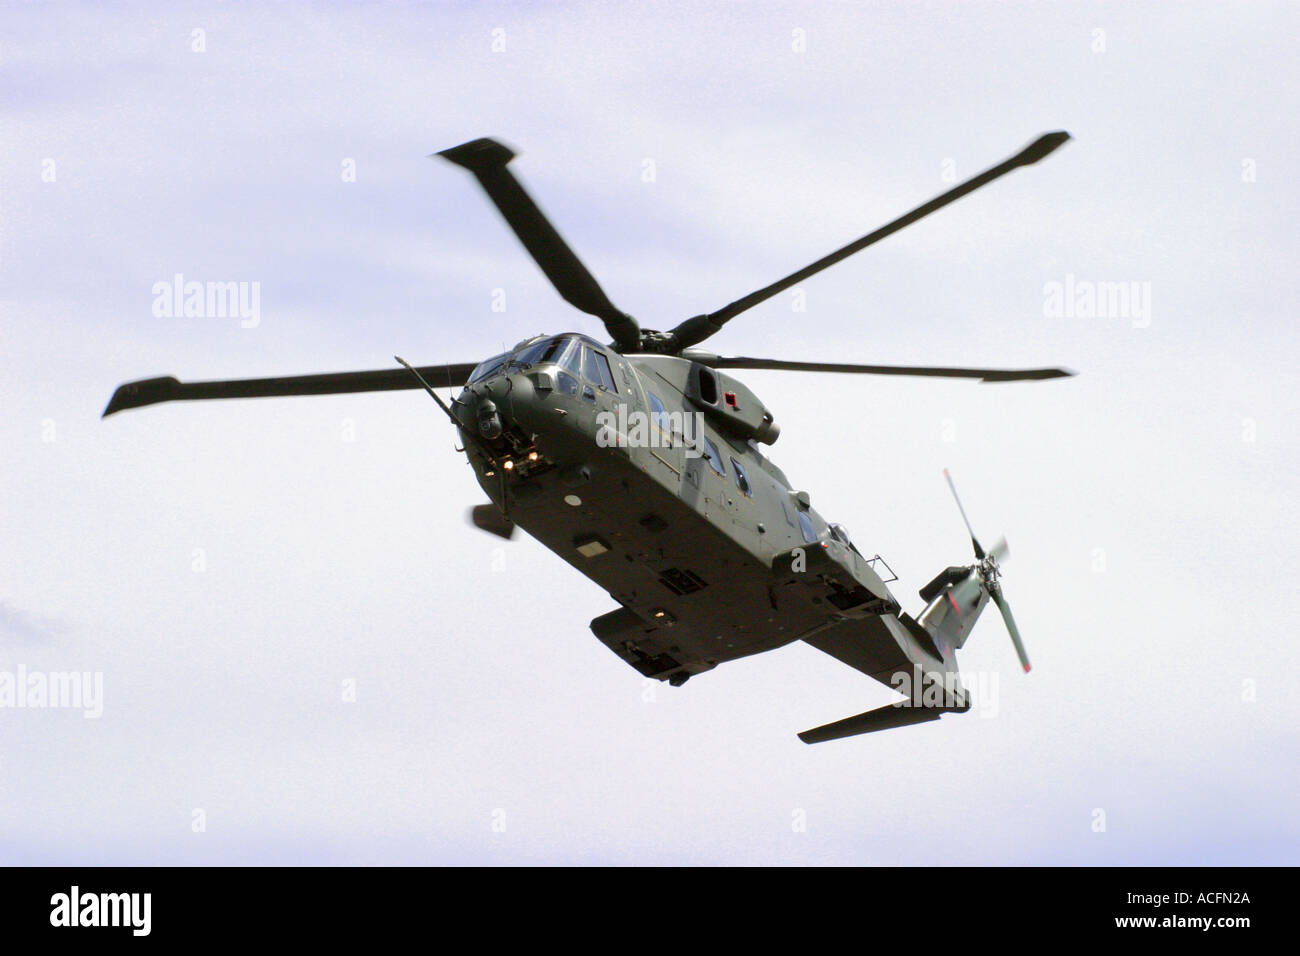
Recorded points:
(1014, 631)
(979, 552)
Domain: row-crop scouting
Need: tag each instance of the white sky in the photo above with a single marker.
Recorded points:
(1150, 502)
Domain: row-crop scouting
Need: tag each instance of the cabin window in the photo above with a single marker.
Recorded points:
(595, 369)
(606, 373)
(806, 526)
(659, 417)
(708, 386)
(741, 481)
(712, 456)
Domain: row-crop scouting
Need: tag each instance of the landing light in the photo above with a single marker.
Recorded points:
(508, 464)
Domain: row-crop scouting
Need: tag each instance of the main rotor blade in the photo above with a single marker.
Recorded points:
(700, 327)
(151, 391)
(1014, 631)
(979, 552)
(983, 374)
(487, 159)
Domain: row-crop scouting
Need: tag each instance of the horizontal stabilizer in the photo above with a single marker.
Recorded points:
(882, 718)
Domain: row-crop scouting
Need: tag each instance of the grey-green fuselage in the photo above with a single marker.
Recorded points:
(663, 498)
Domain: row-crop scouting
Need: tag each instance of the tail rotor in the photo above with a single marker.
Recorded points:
(986, 574)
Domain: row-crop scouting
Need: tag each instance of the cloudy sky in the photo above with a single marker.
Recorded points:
(236, 572)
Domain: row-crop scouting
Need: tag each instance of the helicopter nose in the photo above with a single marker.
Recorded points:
(490, 408)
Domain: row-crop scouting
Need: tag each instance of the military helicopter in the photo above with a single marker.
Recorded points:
(639, 463)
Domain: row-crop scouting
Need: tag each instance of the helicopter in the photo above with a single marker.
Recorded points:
(641, 463)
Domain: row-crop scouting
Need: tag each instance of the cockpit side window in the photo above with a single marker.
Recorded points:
(531, 354)
(595, 369)
(484, 369)
(806, 526)
(567, 354)
(553, 349)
